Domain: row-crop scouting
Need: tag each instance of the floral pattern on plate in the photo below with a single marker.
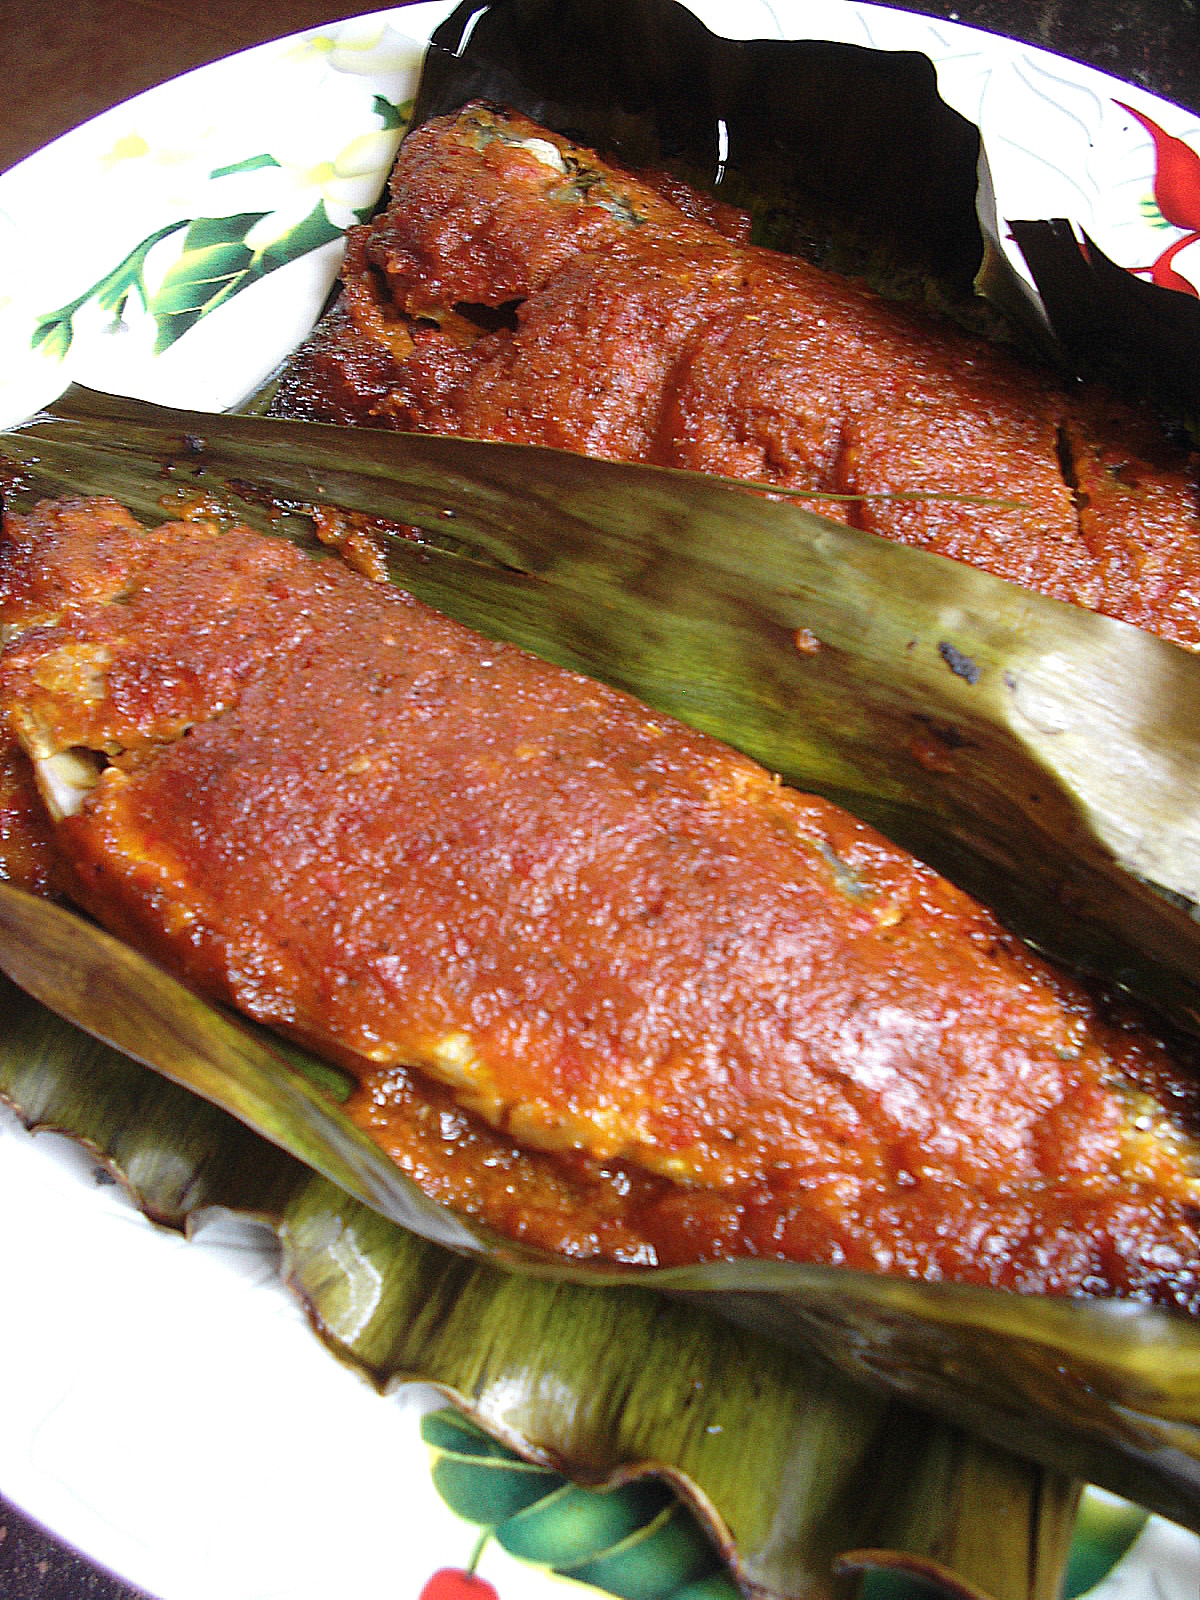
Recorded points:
(179, 210)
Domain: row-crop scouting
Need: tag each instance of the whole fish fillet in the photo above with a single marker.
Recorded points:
(602, 979)
(518, 287)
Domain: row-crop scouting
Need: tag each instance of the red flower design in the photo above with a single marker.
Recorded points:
(1163, 273)
(454, 1583)
(1177, 195)
(461, 1583)
(1176, 175)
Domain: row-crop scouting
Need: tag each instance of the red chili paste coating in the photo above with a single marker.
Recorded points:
(603, 980)
(519, 288)
(26, 851)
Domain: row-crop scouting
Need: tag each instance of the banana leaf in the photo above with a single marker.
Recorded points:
(1137, 336)
(692, 592)
(614, 1382)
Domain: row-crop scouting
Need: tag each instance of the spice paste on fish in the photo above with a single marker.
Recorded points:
(518, 287)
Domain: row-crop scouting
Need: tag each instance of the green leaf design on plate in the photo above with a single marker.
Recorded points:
(53, 335)
(390, 114)
(217, 263)
(212, 267)
(636, 1540)
(568, 1527)
(250, 164)
(55, 331)
(315, 230)
(639, 1540)
(478, 1478)
(1104, 1531)
(652, 1564)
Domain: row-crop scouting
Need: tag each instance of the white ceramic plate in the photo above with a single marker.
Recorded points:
(147, 1384)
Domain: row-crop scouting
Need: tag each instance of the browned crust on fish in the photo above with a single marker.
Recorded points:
(518, 287)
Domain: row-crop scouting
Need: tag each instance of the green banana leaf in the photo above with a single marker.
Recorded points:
(614, 1381)
(691, 593)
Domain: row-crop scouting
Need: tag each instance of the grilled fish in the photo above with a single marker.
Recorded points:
(601, 979)
(517, 287)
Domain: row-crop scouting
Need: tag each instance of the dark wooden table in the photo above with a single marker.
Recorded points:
(65, 64)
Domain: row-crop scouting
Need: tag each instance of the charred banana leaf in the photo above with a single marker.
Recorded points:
(599, 1379)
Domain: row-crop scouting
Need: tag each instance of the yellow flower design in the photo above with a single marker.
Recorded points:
(363, 46)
